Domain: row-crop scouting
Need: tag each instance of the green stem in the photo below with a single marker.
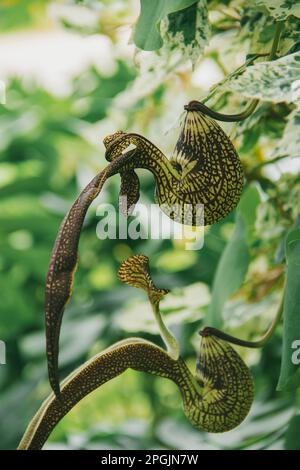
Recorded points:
(169, 340)
(207, 331)
(276, 39)
(198, 106)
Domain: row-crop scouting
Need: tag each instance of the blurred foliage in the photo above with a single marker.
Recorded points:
(235, 258)
(21, 13)
(50, 147)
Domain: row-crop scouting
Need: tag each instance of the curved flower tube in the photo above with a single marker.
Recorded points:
(200, 184)
(217, 399)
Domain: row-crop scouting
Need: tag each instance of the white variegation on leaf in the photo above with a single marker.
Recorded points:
(190, 33)
(277, 81)
(281, 9)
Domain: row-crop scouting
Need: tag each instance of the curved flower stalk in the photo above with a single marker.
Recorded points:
(200, 184)
(216, 399)
(135, 271)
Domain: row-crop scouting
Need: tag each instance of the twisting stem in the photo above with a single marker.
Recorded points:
(247, 344)
(198, 106)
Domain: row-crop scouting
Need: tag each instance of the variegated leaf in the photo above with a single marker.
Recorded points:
(187, 31)
(147, 30)
(281, 9)
(275, 81)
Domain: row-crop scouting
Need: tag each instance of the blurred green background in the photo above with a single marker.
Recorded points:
(71, 78)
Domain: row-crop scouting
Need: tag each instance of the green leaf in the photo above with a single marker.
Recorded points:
(275, 81)
(2, 92)
(292, 441)
(230, 273)
(289, 144)
(281, 9)
(247, 210)
(146, 34)
(290, 371)
(235, 259)
(24, 13)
